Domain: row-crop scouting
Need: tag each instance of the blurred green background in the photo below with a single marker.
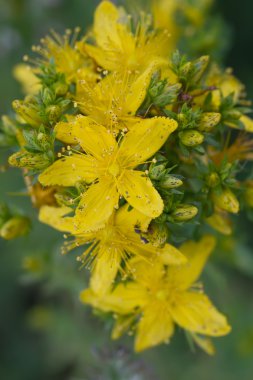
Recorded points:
(45, 333)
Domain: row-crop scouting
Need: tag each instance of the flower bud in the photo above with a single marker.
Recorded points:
(157, 171)
(158, 234)
(61, 88)
(220, 222)
(226, 200)
(184, 212)
(15, 227)
(53, 113)
(48, 96)
(28, 112)
(181, 118)
(32, 264)
(170, 182)
(200, 66)
(29, 160)
(213, 179)
(43, 138)
(232, 114)
(208, 121)
(191, 138)
(186, 69)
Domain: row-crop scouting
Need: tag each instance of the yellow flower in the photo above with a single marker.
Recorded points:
(109, 167)
(67, 58)
(117, 48)
(26, 76)
(164, 16)
(226, 84)
(164, 297)
(114, 100)
(112, 245)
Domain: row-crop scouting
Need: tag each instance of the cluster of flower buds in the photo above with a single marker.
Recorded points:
(130, 152)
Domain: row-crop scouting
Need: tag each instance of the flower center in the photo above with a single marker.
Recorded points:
(114, 169)
(162, 295)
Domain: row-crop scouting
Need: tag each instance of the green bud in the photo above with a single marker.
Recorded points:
(200, 66)
(156, 171)
(181, 118)
(27, 160)
(184, 212)
(186, 69)
(42, 138)
(60, 88)
(53, 113)
(226, 200)
(158, 234)
(208, 121)
(48, 97)
(213, 180)
(28, 112)
(170, 182)
(32, 264)
(191, 138)
(232, 114)
(15, 227)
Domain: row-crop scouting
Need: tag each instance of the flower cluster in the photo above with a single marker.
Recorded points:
(137, 154)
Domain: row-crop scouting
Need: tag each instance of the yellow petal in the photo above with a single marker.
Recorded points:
(93, 138)
(97, 205)
(145, 139)
(122, 324)
(105, 26)
(123, 300)
(146, 272)
(204, 343)
(68, 171)
(99, 55)
(247, 122)
(197, 254)
(195, 312)
(170, 255)
(130, 219)
(54, 217)
(105, 270)
(140, 193)
(64, 131)
(156, 326)
(137, 92)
